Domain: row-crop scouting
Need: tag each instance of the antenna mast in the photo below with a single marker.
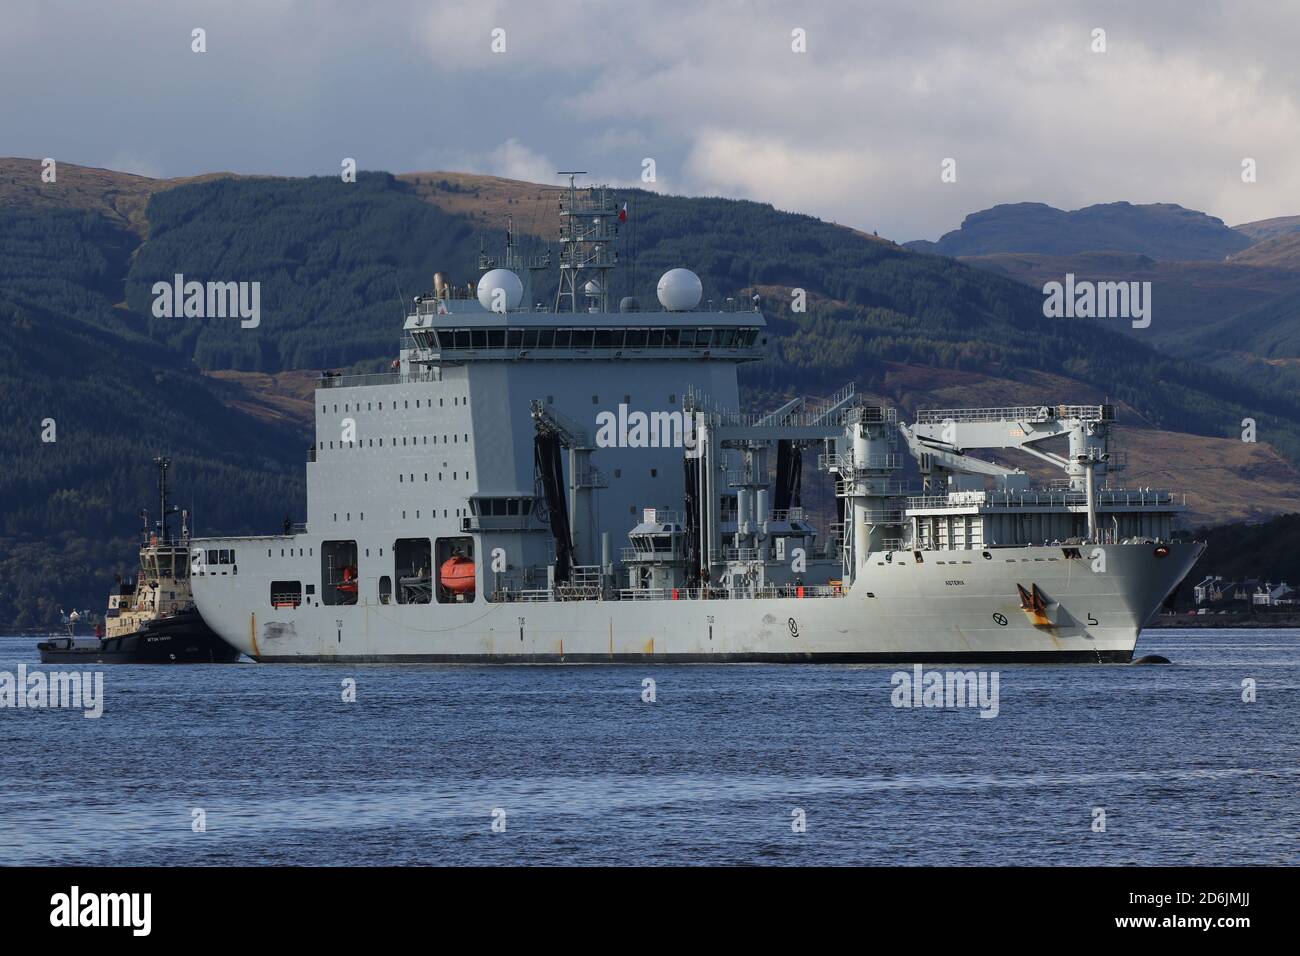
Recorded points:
(163, 464)
(588, 227)
(513, 262)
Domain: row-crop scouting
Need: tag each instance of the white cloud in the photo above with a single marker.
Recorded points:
(790, 177)
(513, 160)
(852, 130)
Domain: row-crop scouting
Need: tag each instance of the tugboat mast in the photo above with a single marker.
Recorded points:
(163, 464)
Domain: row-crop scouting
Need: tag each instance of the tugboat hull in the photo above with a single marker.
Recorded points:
(182, 638)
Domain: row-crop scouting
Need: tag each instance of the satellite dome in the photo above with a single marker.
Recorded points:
(502, 279)
(629, 303)
(679, 290)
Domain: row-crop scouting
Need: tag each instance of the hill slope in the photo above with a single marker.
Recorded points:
(1265, 229)
(1187, 297)
(120, 198)
(1280, 252)
(1158, 230)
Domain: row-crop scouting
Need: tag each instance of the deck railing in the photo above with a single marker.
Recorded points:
(1045, 499)
(1015, 413)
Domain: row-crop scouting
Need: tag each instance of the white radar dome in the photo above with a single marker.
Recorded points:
(679, 290)
(511, 294)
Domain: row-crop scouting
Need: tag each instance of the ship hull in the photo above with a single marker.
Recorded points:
(951, 606)
(182, 638)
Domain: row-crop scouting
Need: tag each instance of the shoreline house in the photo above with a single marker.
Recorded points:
(1214, 590)
(1251, 592)
(1244, 590)
(1273, 595)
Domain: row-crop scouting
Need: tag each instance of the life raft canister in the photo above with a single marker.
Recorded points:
(457, 575)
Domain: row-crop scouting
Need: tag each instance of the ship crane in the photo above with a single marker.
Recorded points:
(555, 432)
(939, 439)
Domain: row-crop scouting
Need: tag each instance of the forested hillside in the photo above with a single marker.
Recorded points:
(1264, 550)
(115, 399)
(331, 258)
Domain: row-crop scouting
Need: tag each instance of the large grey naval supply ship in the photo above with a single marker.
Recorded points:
(570, 483)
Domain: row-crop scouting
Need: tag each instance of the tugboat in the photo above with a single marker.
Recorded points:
(153, 619)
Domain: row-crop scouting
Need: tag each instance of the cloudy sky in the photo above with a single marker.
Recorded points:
(853, 130)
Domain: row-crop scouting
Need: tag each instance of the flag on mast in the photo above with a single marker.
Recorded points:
(622, 213)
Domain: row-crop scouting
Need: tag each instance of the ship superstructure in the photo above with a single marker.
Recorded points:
(570, 483)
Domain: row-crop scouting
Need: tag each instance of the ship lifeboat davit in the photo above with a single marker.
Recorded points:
(457, 575)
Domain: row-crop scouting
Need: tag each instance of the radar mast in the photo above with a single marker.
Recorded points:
(588, 227)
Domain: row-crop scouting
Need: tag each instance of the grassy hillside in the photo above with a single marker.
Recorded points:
(1282, 252)
(118, 198)
(1264, 229)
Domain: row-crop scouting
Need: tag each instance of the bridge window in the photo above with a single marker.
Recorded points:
(500, 507)
(598, 338)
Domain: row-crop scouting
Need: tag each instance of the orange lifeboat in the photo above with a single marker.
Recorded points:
(349, 584)
(457, 575)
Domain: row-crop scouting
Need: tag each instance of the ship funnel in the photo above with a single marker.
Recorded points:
(441, 285)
